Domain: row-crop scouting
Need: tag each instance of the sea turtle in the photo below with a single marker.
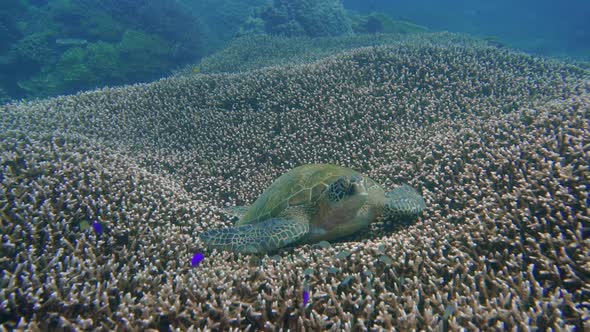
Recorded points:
(312, 203)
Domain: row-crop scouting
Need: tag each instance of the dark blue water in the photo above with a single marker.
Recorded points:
(547, 27)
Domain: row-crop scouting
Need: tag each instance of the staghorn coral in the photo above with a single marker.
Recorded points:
(497, 141)
(258, 51)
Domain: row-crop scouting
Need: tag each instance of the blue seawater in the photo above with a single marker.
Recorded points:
(545, 27)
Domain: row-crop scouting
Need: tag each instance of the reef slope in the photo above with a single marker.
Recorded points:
(498, 142)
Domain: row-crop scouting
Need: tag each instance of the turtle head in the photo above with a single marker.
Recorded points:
(403, 205)
(347, 192)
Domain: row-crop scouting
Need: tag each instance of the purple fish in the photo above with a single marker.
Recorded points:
(305, 297)
(97, 226)
(197, 259)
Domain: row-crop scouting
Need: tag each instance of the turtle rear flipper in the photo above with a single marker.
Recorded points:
(261, 237)
(235, 212)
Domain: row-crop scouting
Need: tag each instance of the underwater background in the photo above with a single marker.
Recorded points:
(48, 48)
(542, 27)
(129, 127)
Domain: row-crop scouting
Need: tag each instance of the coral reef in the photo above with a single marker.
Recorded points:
(84, 19)
(381, 23)
(497, 141)
(7, 34)
(312, 18)
(138, 56)
(258, 51)
(144, 55)
(33, 50)
(159, 36)
(222, 20)
(10, 13)
(4, 98)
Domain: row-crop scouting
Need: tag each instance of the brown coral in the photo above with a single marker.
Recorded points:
(497, 141)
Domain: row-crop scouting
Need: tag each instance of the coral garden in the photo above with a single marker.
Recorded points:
(49, 48)
(57, 47)
(312, 18)
(258, 51)
(497, 142)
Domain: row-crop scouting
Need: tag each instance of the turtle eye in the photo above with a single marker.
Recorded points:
(351, 187)
(339, 188)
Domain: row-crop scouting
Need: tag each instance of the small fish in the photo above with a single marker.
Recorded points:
(254, 261)
(71, 41)
(343, 254)
(322, 244)
(84, 225)
(197, 259)
(385, 260)
(308, 272)
(97, 226)
(305, 293)
(197, 70)
(346, 281)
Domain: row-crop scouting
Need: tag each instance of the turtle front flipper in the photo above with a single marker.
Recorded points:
(403, 204)
(256, 238)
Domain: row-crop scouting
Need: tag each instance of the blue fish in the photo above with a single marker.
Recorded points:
(305, 297)
(97, 226)
(197, 259)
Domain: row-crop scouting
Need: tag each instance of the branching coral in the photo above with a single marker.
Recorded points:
(258, 51)
(497, 141)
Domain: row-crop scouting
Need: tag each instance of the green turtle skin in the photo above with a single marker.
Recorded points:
(312, 203)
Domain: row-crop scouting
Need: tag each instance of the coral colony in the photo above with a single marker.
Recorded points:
(497, 142)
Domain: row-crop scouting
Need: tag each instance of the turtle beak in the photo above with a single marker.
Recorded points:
(357, 186)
